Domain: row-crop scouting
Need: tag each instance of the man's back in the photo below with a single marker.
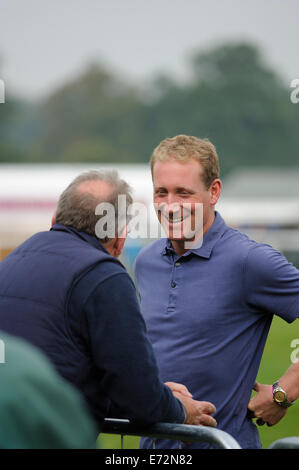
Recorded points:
(36, 281)
(64, 293)
(36, 284)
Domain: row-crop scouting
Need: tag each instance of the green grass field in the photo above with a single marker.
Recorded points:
(276, 360)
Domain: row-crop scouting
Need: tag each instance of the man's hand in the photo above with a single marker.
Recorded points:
(263, 406)
(179, 388)
(198, 412)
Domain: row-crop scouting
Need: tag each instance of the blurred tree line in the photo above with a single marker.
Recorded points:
(232, 97)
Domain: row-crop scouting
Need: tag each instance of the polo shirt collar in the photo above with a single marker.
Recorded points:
(210, 239)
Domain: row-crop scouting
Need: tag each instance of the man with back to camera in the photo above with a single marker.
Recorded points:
(65, 292)
(208, 292)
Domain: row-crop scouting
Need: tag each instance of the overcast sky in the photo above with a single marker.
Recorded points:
(43, 42)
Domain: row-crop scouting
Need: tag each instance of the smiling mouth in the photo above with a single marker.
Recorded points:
(174, 220)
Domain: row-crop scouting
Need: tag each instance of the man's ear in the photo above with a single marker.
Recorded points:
(215, 191)
(124, 232)
(118, 246)
(53, 221)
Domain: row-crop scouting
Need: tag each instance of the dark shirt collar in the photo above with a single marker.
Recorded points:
(91, 239)
(210, 239)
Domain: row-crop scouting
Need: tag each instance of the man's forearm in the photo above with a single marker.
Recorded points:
(290, 382)
(263, 405)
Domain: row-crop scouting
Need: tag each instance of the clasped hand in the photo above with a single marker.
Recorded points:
(198, 412)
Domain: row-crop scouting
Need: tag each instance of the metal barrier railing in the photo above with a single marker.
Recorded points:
(285, 443)
(177, 432)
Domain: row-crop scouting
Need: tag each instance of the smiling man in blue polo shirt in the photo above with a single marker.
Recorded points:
(208, 308)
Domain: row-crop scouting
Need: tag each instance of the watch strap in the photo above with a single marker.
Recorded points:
(284, 404)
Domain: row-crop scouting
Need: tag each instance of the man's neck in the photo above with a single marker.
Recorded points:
(180, 247)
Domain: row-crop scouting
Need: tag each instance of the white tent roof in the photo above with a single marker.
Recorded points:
(29, 193)
(28, 196)
(46, 181)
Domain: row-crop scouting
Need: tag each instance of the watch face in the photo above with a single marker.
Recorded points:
(279, 396)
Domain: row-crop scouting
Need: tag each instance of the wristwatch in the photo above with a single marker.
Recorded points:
(280, 396)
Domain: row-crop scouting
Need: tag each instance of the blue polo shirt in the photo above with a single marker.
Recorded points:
(208, 313)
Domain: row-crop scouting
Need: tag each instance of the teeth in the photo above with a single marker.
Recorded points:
(175, 221)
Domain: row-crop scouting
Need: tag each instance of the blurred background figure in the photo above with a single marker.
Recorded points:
(38, 409)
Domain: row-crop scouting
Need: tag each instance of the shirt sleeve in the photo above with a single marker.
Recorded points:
(271, 282)
(123, 353)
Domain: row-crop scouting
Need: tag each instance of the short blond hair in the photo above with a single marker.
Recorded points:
(184, 148)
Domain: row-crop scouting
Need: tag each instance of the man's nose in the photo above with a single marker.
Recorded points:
(173, 207)
(172, 201)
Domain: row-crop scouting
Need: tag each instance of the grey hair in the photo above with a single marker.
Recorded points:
(78, 209)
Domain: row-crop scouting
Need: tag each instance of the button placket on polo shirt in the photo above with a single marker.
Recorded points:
(174, 285)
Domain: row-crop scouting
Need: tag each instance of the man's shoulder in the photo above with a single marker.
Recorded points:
(239, 239)
(96, 278)
(254, 253)
(107, 268)
(238, 247)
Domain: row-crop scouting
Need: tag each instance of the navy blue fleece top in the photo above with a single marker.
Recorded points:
(105, 320)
